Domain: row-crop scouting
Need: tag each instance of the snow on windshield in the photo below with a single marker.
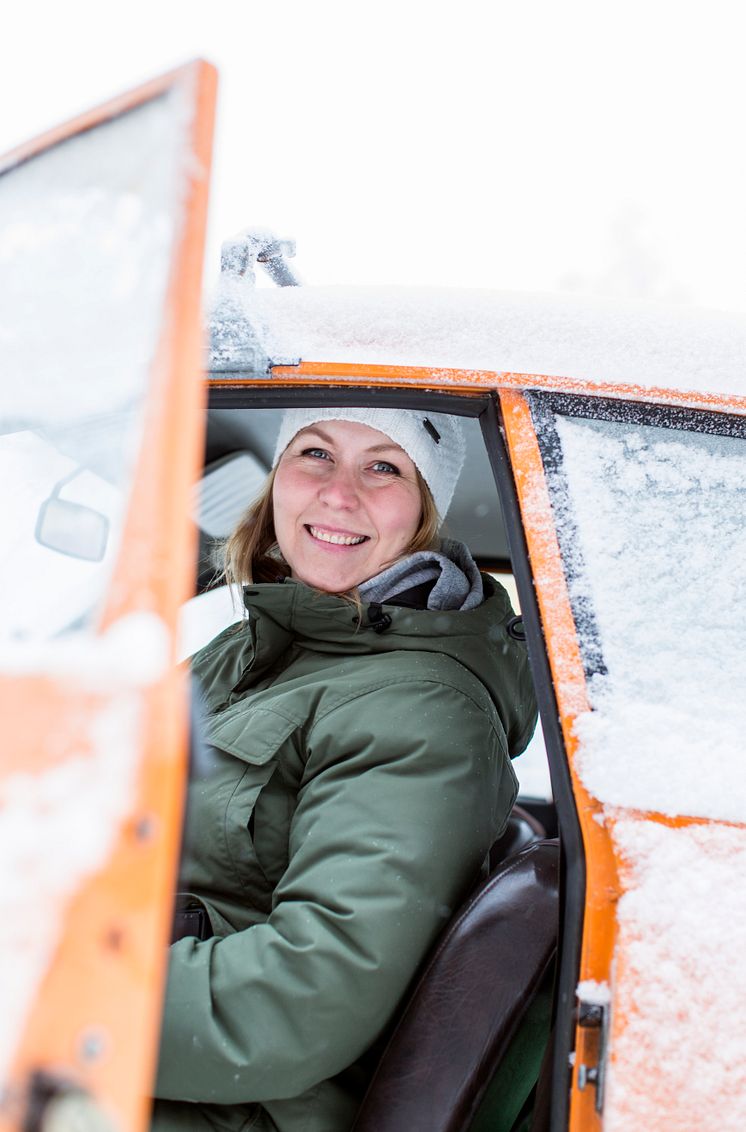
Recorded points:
(86, 230)
(658, 584)
(86, 233)
(563, 335)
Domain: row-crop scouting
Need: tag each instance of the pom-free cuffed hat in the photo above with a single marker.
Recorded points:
(434, 442)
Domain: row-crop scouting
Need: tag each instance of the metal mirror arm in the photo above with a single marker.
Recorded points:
(235, 346)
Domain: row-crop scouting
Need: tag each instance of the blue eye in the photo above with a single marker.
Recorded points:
(317, 453)
(386, 468)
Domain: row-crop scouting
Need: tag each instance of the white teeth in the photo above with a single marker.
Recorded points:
(338, 540)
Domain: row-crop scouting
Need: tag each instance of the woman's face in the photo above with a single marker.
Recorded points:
(346, 504)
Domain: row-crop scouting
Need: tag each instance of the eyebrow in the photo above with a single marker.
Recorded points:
(389, 447)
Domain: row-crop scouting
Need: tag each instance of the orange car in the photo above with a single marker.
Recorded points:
(617, 439)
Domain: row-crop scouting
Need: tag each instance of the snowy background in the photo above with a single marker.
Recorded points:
(581, 146)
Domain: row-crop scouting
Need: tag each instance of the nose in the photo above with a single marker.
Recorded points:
(339, 489)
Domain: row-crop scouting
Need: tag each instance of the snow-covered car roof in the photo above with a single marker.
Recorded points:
(602, 341)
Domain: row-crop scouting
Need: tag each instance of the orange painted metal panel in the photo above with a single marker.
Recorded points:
(470, 380)
(609, 876)
(602, 880)
(94, 1021)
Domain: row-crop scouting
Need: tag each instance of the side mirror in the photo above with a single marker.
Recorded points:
(72, 528)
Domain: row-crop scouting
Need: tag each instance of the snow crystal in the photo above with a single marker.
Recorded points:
(560, 335)
(659, 522)
(678, 1042)
(593, 992)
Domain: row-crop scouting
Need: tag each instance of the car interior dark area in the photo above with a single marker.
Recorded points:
(487, 1068)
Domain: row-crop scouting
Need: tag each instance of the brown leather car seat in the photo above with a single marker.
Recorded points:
(522, 829)
(455, 1033)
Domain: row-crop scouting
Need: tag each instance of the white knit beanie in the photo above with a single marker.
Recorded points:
(434, 442)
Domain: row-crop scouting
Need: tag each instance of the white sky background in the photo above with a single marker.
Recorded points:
(535, 146)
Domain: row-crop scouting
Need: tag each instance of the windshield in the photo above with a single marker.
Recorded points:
(86, 230)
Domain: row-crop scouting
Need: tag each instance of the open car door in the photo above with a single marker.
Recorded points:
(101, 237)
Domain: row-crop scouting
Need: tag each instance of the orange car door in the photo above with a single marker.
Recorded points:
(101, 232)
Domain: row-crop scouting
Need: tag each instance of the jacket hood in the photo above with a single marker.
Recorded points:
(450, 571)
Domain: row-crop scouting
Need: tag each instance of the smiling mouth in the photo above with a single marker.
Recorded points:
(335, 538)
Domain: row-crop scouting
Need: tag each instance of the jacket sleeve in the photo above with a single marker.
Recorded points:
(390, 829)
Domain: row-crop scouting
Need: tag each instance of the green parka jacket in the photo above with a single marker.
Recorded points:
(341, 815)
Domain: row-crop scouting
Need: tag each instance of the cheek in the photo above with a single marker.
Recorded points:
(405, 520)
(282, 497)
(286, 495)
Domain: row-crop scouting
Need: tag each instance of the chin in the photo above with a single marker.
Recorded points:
(331, 586)
(325, 580)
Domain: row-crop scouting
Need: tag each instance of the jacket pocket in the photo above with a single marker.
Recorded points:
(251, 734)
(255, 736)
(239, 835)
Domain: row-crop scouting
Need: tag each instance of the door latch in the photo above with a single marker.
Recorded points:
(595, 1016)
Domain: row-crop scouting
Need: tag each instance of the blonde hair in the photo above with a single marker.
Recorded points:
(251, 554)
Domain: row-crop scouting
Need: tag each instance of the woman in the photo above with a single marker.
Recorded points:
(346, 805)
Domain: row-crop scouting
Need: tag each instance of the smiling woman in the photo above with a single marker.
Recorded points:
(346, 500)
(327, 839)
(347, 504)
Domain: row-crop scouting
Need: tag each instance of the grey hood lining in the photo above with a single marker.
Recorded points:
(458, 583)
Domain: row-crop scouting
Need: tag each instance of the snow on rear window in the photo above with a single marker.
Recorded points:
(659, 521)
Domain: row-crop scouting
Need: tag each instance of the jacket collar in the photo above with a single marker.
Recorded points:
(290, 614)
